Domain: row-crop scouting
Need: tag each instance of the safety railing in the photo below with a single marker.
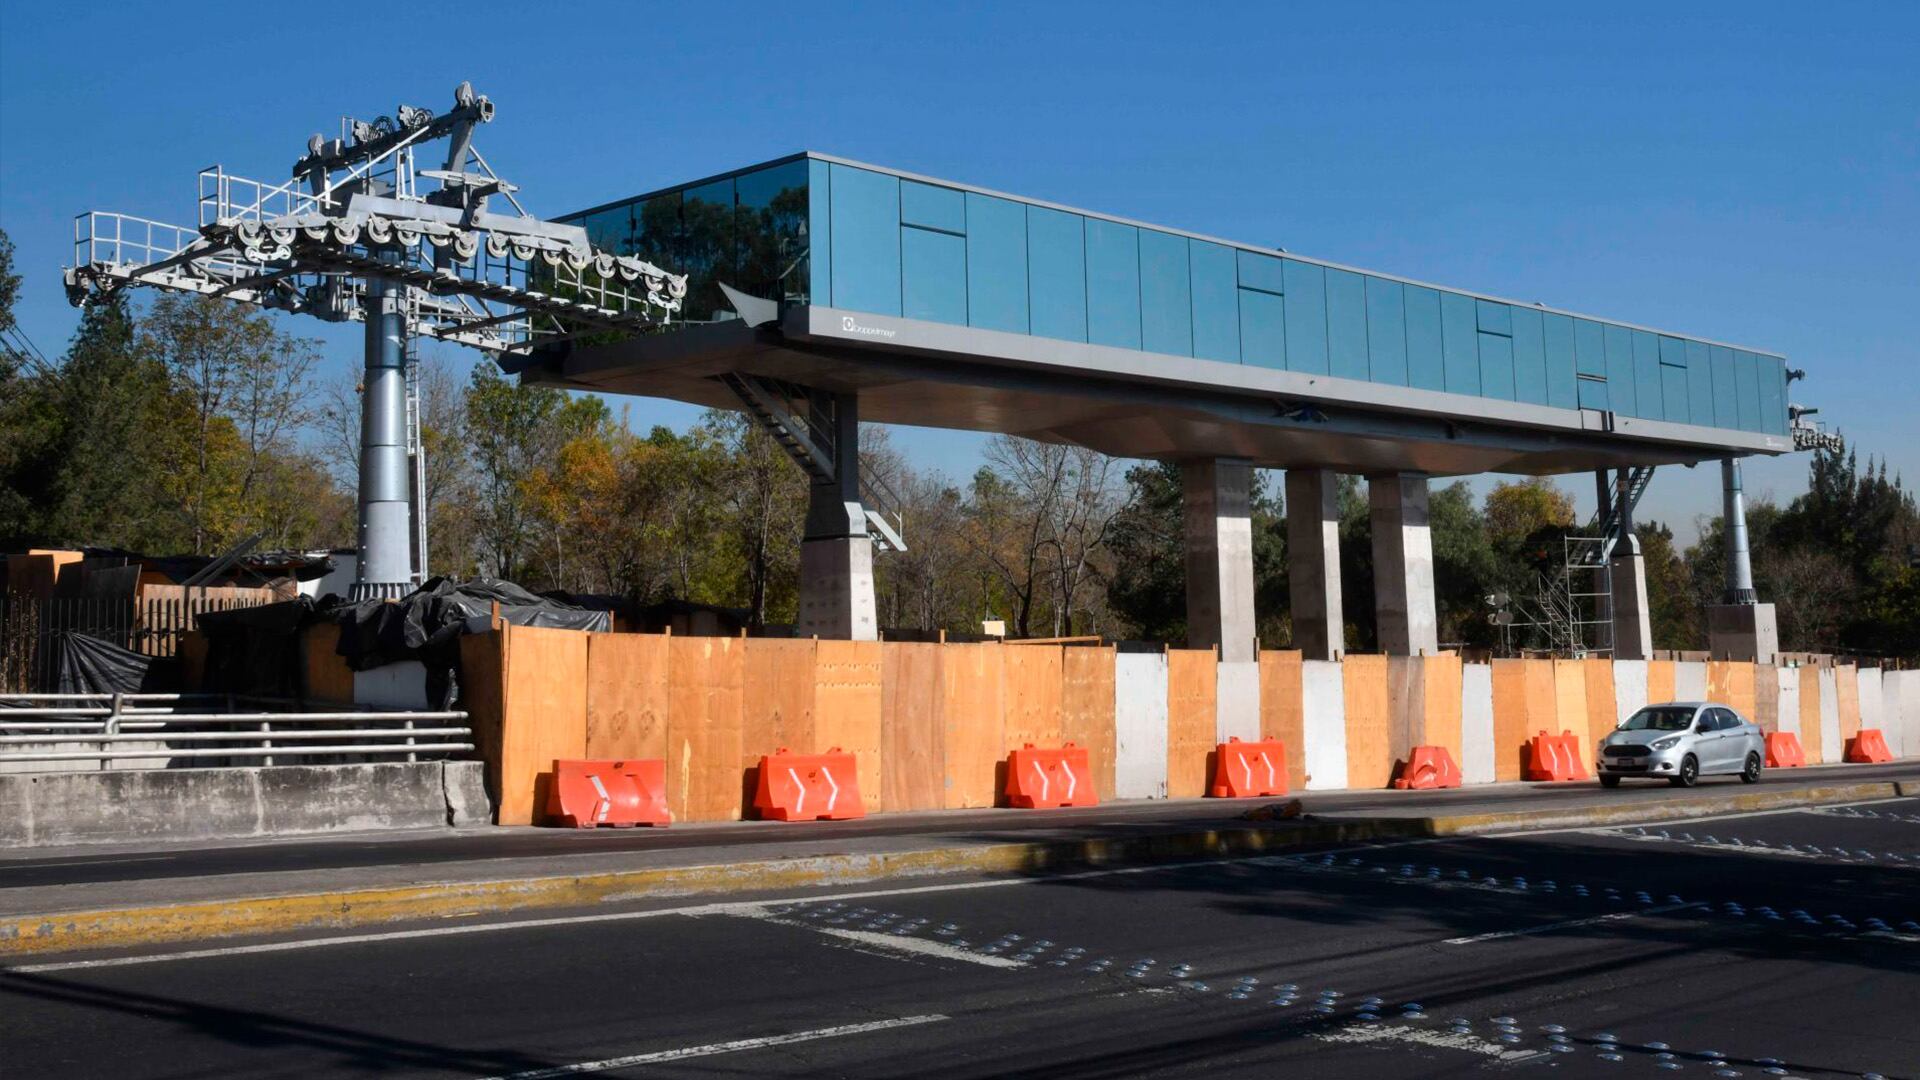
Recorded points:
(109, 728)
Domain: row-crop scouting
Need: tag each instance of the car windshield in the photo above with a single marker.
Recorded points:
(1660, 718)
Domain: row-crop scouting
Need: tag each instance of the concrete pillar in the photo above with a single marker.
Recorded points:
(1219, 541)
(1403, 606)
(1632, 617)
(1739, 627)
(836, 552)
(1313, 563)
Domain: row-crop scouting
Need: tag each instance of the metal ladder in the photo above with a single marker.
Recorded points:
(416, 457)
(788, 412)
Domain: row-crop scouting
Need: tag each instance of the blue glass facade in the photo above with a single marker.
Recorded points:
(825, 232)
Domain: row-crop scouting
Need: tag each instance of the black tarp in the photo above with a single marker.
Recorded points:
(88, 665)
(256, 650)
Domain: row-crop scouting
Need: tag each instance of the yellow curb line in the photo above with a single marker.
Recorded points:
(240, 916)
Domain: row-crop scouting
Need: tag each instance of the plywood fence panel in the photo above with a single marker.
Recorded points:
(1787, 708)
(1543, 702)
(1660, 681)
(1903, 692)
(483, 697)
(1766, 697)
(545, 713)
(1832, 745)
(1323, 702)
(1140, 696)
(1629, 688)
(777, 697)
(1477, 743)
(328, 678)
(1236, 700)
(1570, 704)
(912, 732)
(1369, 745)
(846, 707)
(1600, 704)
(1443, 704)
(1846, 681)
(1087, 709)
(1867, 683)
(706, 749)
(1032, 696)
(1812, 728)
(1406, 708)
(1282, 714)
(626, 696)
(971, 713)
(1511, 721)
(1693, 680)
(1192, 684)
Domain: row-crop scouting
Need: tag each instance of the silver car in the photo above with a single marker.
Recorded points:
(1681, 741)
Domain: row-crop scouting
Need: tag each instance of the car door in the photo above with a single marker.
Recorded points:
(1726, 742)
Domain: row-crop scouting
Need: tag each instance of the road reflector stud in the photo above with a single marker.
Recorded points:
(1868, 748)
(808, 787)
(1428, 767)
(1044, 777)
(1245, 770)
(1783, 750)
(591, 793)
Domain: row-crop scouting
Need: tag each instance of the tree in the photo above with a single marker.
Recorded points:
(1516, 510)
(514, 429)
(1039, 518)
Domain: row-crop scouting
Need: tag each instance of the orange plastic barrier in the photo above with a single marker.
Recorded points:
(808, 787)
(1868, 748)
(1783, 750)
(1243, 770)
(1428, 767)
(1044, 777)
(1554, 757)
(618, 793)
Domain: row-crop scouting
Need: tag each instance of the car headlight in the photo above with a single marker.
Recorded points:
(1667, 743)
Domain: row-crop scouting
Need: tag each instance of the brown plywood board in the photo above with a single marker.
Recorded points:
(1406, 707)
(777, 697)
(1283, 710)
(705, 747)
(1810, 736)
(545, 718)
(1369, 741)
(1570, 703)
(1032, 696)
(328, 678)
(1659, 681)
(1192, 693)
(1512, 726)
(626, 696)
(1087, 707)
(1766, 697)
(971, 714)
(1732, 682)
(1601, 714)
(912, 734)
(1846, 683)
(847, 707)
(483, 698)
(1442, 704)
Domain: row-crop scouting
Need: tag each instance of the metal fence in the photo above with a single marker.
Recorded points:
(151, 626)
(187, 730)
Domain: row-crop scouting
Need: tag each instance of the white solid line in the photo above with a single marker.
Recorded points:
(1550, 927)
(711, 1049)
(1439, 1040)
(899, 944)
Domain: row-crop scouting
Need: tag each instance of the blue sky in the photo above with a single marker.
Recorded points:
(1746, 172)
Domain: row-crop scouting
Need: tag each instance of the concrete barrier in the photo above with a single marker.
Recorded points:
(162, 805)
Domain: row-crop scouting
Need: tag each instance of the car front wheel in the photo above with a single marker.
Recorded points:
(1689, 772)
(1609, 781)
(1751, 774)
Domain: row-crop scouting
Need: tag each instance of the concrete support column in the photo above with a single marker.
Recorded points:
(1632, 616)
(836, 552)
(1313, 563)
(1219, 541)
(1739, 627)
(1403, 607)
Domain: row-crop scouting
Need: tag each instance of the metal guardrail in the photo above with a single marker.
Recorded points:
(106, 728)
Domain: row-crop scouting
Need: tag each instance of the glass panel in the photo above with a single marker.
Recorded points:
(1561, 393)
(866, 241)
(1620, 386)
(1425, 368)
(1166, 294)
(1746, 383)
(820, 246)
(1386, 332)
(1529, 357)
(1494, 318)
(1773, 394)
(771, 221)
(704, 248)
(1263, 331)
(1263, 272)
(1113, 284)
(1216, 303)
(933, 276)
(1647, 395)
(1699, 384)
(1589, 348)
(1673, 352)
(1057, 273)
(1460, 343)
(996, 264)
(932, 207)
(1346, 324)
(1673, 394)
(1306, 317)
(1726, 396)
(1593, 394)
(1496, 366)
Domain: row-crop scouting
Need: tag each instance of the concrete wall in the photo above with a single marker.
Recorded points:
(161, 805)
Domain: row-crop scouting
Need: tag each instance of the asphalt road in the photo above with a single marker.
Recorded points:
(1715, 947)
